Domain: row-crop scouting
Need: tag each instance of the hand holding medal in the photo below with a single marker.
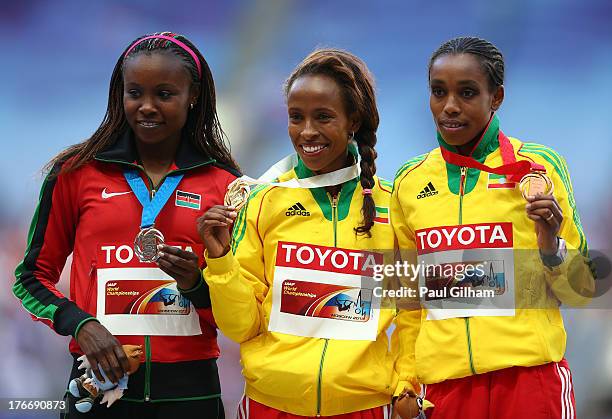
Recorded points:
(237, 194)
(543, 208)
(548, 216)
(182, 265)
(536, 183)
(215, 228)
(215, 225)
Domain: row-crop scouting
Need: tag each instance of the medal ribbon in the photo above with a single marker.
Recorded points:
(336, 177)
(151, 207)
(515, 170)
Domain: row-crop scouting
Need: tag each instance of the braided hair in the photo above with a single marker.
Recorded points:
(202, 127)
(490, 58)
(357, 86)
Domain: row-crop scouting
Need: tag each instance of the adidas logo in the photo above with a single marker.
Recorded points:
(428, 190)
(297, 209)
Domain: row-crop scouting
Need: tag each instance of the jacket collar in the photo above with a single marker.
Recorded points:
(123, 151)
(486, 145)
(320, 194)
(301, 171)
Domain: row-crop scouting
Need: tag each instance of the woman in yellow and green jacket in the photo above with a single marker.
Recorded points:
(489, 342)
(288, 288)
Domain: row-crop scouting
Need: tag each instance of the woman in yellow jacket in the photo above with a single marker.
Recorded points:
(290, 285)
(488, 339)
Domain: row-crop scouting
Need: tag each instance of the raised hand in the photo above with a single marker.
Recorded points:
(214, 229)
(182, 265)
(548, 216)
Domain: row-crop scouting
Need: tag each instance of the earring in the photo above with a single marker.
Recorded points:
(352, 136)
(191, 106)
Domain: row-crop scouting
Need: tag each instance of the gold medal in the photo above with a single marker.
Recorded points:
(146, 242)
(237, 194)
(535, 183)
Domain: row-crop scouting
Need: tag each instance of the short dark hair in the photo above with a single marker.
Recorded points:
(489, 56)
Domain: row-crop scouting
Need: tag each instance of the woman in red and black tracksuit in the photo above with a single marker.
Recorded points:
(160, 147)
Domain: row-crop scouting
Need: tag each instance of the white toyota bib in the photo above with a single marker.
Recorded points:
(324, 292)
(135, 298)
(467, 270)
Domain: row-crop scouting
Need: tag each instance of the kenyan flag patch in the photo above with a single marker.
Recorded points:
(188, 200)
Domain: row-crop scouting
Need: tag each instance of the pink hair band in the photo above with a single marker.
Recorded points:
(366, 192)
(176, 41)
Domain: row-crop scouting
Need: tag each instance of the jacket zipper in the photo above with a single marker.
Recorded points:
(467, 320)
(334, 204)
(469, 340)
(321, 378)
(147, 389)
(152, 186)
(92, 283)
(461, 192)
(147, 395)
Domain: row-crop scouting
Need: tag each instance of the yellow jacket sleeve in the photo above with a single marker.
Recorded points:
(408, 319)
(572, 281)
(237, 280)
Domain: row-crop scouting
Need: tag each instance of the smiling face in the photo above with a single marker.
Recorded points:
(156, 96)
(319, 125)
(461, 99)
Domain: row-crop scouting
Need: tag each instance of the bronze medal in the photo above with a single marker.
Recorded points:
(146, 242)
(535, 183)
(237, 194)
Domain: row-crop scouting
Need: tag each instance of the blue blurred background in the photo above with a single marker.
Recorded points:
(58, 58)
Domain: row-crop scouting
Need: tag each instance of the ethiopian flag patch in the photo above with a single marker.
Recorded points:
(499, 182)
(188, 200)
(382, 215)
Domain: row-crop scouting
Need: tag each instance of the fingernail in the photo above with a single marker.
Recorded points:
(160, 246)
(161, 254)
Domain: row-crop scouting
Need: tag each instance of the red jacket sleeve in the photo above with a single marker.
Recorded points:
(50, 241)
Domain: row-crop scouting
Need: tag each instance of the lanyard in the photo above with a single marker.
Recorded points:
(515, 169)
(151, 207)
